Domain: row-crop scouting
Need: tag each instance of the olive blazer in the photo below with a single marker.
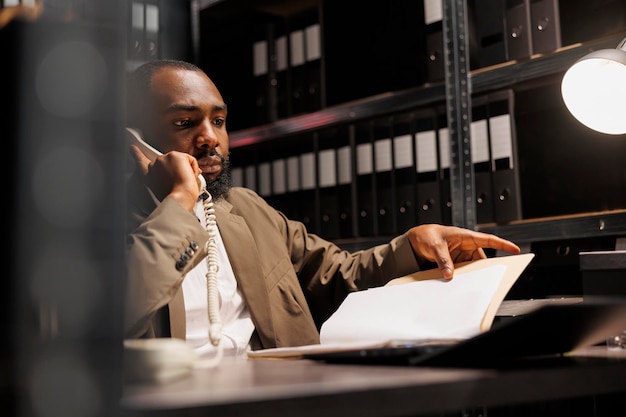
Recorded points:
(291, 280)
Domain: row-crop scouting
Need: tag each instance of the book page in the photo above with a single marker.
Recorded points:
(515, 265)
(428, 309)
(417, 308)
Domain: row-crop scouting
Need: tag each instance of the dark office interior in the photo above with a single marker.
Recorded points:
(359, 118)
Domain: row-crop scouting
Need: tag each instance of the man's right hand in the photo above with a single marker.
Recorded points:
(173, 175)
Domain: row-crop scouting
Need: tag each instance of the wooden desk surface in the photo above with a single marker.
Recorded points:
(262, 387)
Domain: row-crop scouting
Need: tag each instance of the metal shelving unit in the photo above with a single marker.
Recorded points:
(502, 76)
(456, 92)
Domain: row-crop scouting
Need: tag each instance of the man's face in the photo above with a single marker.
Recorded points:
(187, 114)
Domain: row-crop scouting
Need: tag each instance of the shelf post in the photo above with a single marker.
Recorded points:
(458, 109)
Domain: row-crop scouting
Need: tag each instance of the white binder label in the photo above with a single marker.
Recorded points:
(426, 151)
(265, 184)
(278, 176)
(259, 57)
(307, 169)
(312, 36)
(383, 155)
(402, 151)
(364, 163)
(293, 174)
(480, 141)
(327, 168)
(433, 11)
(444, 148)
(344, 165)
(501, 138)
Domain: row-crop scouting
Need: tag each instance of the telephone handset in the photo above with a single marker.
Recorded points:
(215, 322)
(135, 138)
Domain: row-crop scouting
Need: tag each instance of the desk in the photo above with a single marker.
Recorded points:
(265, 387)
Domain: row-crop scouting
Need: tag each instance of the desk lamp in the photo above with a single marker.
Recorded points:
(594, 90)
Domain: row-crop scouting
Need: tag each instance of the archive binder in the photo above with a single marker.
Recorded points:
(143, 38)
(261, 81)
(292, 204)
(546, 25)
(238, 37)
(264, 175)
(305, 53)
(518, 29)
(503, 143)
(280, 197)
(328, 212)
(487, 36)
(404, 172)
(307, 200)
(443, 148)
(297, 69)
(268, 45)
(583, 20)
(374, 49)
(313, 87)
(385, 181)
(152, 44)
(494, 158)
(279, 100)
(293, 170)
(250, 177)
(433, 22)
(426, 164)
(346, 172)
(237, 176)
(481, 161)
(365, 180)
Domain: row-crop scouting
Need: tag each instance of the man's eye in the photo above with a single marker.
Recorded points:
(181, 123)
(219, 122)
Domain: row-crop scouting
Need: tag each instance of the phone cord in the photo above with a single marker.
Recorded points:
(215, 321)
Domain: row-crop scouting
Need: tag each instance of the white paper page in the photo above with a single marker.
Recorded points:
(429, 309)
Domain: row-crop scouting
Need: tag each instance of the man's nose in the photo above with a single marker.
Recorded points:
(207, 135)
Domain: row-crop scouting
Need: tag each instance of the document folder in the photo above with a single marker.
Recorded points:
(548, 332)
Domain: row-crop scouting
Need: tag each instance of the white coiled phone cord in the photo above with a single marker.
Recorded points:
(215, 321)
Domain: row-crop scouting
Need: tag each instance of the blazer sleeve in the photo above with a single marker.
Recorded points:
(163, 247)
(326, 273)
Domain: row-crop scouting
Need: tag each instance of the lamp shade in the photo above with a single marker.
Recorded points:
(594, 90)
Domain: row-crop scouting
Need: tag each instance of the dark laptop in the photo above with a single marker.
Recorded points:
(544, 333)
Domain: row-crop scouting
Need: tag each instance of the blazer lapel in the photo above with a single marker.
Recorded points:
(245, 260)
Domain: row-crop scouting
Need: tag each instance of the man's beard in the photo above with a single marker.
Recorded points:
(219, 187)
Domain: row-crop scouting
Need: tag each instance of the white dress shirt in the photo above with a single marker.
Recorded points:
(237, 324)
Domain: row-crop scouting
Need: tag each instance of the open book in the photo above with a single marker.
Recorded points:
(418, 308)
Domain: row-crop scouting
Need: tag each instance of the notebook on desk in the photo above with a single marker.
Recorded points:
(548, 331)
